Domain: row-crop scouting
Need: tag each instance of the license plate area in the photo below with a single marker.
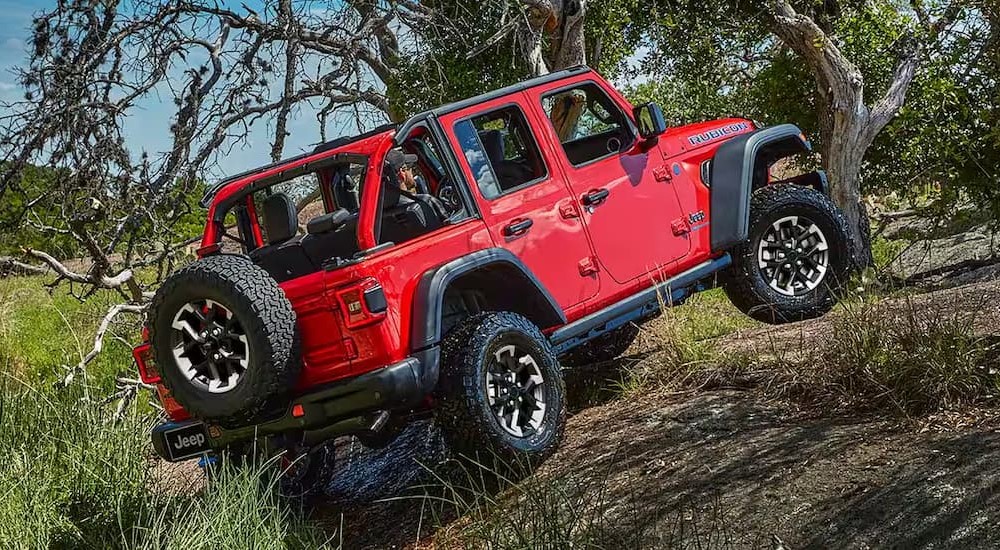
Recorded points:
(186, 441)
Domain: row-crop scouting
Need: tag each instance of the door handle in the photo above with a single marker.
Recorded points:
(518, 227)
(595, 197)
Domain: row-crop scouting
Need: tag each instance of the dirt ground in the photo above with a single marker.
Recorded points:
(726, 469)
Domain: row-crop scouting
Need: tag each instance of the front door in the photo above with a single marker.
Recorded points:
(528, 211)
(623, 189)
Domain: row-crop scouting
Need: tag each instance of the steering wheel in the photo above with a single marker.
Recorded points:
(448, 195)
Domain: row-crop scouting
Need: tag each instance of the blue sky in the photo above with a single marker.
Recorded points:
(148, 127)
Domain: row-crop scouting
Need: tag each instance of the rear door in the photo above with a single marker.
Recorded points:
(622, 187)
(528, 210)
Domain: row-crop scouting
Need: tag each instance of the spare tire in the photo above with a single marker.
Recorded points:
(224, 339)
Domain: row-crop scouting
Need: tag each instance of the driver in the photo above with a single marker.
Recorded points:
(410, 184)
(410, 180)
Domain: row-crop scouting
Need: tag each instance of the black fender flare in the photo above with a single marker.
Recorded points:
(732, 178)
(428, 299)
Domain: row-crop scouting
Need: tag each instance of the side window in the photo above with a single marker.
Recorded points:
(501, 151)
(589, 124)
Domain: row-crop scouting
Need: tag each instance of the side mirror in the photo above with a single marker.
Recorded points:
(649, 118)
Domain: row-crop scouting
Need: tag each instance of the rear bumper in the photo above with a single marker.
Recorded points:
(350, 406)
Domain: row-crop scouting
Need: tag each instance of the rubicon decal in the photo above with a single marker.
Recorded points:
(717, 133)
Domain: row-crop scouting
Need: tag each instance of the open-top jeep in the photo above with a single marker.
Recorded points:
(451, 265)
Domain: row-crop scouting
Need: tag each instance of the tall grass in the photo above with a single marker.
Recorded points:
(909, 355)
(681, 345)
(913, 356)
(74, 476)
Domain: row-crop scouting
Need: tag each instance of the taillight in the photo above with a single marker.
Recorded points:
(148, 372)
(362, 303)
(172, 407)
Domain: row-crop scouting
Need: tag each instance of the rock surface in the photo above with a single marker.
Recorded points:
(725, 470)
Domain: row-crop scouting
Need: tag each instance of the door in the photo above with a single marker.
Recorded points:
(528, 211)
(622, 186)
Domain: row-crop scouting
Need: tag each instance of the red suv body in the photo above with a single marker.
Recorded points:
(578, 227)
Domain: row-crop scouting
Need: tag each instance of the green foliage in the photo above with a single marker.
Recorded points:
(947, 137)
(444, 72)
(613, 30)
(709, 61)
(42, 188)
(35, 186)
(73, 476)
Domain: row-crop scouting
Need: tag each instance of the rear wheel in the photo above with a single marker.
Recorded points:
(796, 260)
(224, 339)
(501, 390)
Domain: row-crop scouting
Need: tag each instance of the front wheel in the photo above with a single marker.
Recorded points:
(501, 391)
(797, 258)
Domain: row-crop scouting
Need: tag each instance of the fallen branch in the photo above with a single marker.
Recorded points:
(100, 281)
(895, 215)
(963, 266)
(10, 266)
(102, 329)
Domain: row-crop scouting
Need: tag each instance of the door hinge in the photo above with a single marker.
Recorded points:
(587, 266)
(680, 227)
(662, 174)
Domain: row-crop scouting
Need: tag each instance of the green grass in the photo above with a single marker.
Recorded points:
(681, 344)
(73, 476)
(707, 315)
(40, 333)
(907, 355)
(910, 357)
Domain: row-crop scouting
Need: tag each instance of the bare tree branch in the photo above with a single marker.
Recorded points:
(102, 329)
(11, 266)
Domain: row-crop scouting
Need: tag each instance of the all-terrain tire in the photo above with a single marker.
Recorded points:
(603, 348)
(265, 318)
(471, 353)
(746, 283)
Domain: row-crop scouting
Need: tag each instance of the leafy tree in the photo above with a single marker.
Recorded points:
(23, 229)
(818, 64)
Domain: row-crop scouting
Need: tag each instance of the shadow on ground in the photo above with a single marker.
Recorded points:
(752, 470)
(724, 467)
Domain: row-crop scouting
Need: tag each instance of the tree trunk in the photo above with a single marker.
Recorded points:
(842, 158)
(847, 125)
(561, 22)
(844, 130)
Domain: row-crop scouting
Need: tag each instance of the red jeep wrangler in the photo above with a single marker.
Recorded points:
(453, 264)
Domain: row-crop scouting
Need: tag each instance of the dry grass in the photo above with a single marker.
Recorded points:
(909, 355)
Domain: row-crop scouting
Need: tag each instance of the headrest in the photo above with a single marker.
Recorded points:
(328, 222)
(493, 144)
(280, 219)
